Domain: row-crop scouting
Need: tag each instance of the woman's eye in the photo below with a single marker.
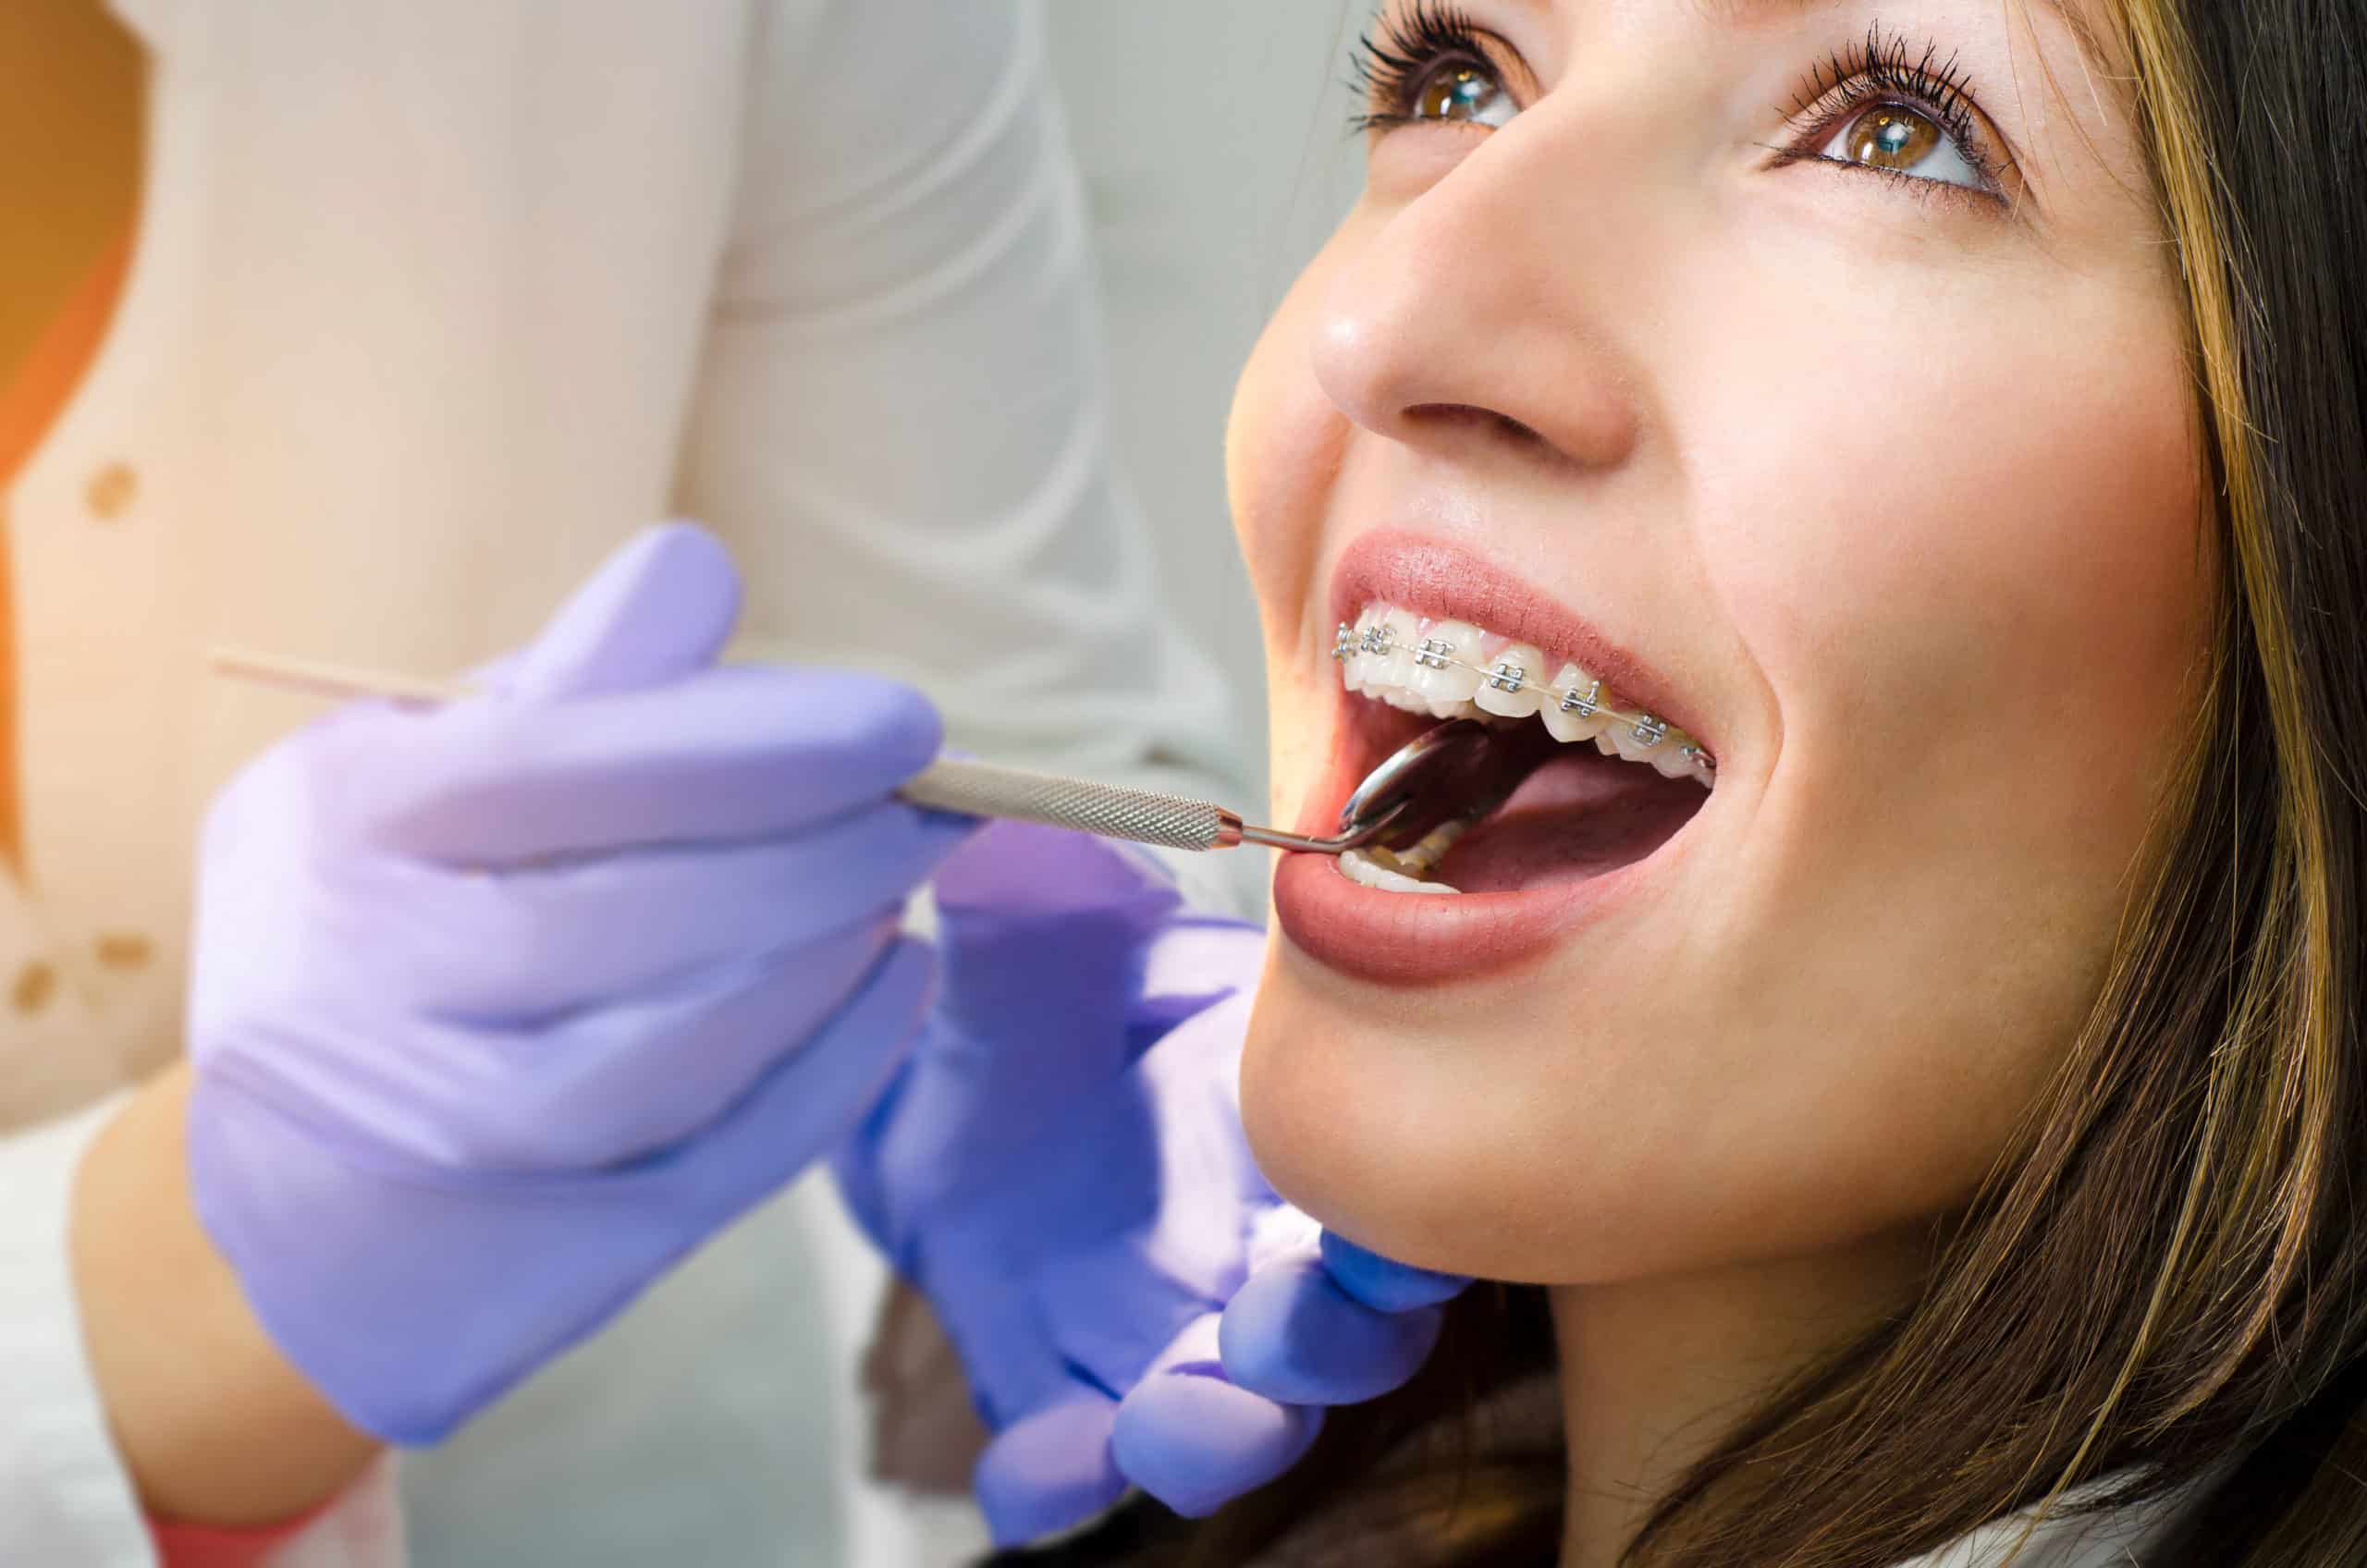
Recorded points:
(1464, 92)
(1900, 140)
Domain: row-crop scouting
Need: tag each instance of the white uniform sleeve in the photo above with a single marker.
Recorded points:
(65, 1497)
(64, 1494)
(901, 419)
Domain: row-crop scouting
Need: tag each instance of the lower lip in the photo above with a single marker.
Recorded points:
(1435, 939)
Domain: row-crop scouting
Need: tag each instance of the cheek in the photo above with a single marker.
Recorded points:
(1969, 566)
(1958, 519)
(1281, 451)
(1285, 443)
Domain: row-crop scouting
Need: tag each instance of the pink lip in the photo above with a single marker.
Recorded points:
(1409, 940)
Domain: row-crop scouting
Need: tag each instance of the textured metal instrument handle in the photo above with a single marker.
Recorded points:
(1110, 810)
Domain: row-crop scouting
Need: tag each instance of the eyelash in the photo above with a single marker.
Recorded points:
(1884, 68)
(1391, 66)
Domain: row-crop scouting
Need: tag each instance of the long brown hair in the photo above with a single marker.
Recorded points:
(2164, 1278)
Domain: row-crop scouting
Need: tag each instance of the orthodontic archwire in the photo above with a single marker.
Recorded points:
(1436, 652)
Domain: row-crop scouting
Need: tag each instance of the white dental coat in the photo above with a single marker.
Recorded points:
(432, 304)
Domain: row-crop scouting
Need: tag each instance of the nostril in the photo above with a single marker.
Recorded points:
(1519, 431)
(1447, 415)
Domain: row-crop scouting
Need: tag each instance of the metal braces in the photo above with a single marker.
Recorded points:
(1435, 653)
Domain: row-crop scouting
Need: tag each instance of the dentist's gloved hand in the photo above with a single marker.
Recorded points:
(1060, 1169)
(500, 1009)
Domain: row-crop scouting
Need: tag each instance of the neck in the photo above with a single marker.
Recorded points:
(1655, 1371)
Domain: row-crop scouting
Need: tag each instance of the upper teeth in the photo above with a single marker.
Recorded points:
(1450, 668)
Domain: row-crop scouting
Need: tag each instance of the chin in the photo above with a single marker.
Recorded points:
(1374, 1129)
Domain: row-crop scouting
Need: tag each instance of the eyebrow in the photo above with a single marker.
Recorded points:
(2098, 57)
(2075, 21)
(2069, 13)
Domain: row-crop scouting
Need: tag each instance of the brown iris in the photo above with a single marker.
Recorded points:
(1890, 137)
(1458, 92)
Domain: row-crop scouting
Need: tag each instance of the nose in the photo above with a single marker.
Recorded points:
(1478, 319)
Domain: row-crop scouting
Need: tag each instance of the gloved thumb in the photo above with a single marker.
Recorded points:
(661, 608)
(1299, 1333)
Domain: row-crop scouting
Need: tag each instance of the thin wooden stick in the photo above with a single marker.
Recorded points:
(317, 679)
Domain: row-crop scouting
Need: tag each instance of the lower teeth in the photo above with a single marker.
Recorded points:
(1366, 869)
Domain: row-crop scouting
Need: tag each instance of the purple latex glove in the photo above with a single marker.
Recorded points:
(500, 1009)
(1060, 1169)
(1237, 1397)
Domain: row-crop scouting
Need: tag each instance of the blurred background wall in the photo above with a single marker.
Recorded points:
(1217, 157)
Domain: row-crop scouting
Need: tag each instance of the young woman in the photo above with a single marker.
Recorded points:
(1922, 1120)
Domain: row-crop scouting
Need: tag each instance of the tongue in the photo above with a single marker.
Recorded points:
(1578, 815)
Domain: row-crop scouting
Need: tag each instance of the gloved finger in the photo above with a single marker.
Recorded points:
(600, 1235)
(744, 752)
(1051, 1471)
(596, 1096)
(1192, 1438)
(1044, 934)
(522, 945)
(661, 608)
(1111, 1309)
(587, 1090)
(1383, 1283)
(809, 1102)
(1294, 1335)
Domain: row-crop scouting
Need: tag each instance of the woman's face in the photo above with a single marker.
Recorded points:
(1812, 376)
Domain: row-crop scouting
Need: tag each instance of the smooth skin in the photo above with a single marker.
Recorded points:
(193, 1395)
(1899, 483)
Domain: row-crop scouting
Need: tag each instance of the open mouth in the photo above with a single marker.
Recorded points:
(1532, 812)
(1572, 794)
(1571, 782)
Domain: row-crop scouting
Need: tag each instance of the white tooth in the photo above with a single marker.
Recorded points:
(1519, 662)
(1454, 685)
(1390, 669)
(1673, 762)
(1361, 869)
(1398, 697)
(1569, 727)
(1622, 736)
(1431, 848)
(1358, 666)
(1604, 745)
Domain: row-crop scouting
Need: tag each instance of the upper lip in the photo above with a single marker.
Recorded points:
(1452, 583)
